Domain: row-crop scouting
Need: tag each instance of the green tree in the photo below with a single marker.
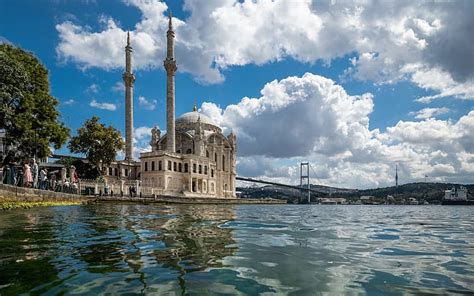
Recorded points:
(28, 112)
(99, 143)
(84, 169)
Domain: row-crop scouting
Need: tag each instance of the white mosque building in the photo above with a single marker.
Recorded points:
(193, 159)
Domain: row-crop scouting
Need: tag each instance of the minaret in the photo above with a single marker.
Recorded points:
(128, 80)
(396, 175)
(170, 66)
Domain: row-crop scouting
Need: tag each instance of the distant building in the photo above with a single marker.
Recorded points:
(453, 194)
(366, 199)
(333, 201)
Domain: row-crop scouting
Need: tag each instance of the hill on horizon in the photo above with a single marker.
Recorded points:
(420, 190)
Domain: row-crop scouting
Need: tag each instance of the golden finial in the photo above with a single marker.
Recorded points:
(195, 106)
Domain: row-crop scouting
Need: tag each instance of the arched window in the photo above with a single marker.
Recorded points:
(180, 167)
(200, 169)
(205, 170)
(207, 154)
(223, 162)
(185, 167)
(189, 151)
(160, 167)
(215, 158)
(152, 167)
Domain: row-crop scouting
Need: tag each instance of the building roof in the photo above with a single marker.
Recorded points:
(193, 117)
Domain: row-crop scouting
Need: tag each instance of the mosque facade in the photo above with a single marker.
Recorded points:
(193, 159)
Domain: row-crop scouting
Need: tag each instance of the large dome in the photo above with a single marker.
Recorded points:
(193, 117)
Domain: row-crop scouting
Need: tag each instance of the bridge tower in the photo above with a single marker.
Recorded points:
(304, 179)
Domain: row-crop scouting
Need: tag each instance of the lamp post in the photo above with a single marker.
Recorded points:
(34, 156)
(35, 116)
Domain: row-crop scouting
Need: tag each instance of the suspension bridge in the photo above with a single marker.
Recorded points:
(305, 183)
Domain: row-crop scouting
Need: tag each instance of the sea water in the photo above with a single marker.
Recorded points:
(247, 249)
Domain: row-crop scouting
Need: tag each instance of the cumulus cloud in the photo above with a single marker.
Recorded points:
(426, 113)
(93, 88)
(312, 118)
(304, 112)
(141, 140)
(103, 106)
(69, 102)
(389, 41)
(147, 104)
(440, 81)
(118, 87)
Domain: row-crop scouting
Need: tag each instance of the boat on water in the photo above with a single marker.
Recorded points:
(456, 197)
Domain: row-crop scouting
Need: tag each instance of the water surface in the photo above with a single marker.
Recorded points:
(247, 249)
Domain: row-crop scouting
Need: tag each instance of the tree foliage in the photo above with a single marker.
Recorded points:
(28, 112)
(84, 169)
(99, 143)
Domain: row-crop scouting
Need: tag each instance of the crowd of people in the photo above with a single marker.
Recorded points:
(27, 173)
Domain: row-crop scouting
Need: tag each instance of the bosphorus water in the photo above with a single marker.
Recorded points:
(246, 249)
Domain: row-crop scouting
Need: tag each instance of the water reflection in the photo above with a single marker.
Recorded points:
(299, 250)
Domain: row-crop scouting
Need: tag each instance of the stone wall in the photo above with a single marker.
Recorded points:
(13, 193)
(192, 200)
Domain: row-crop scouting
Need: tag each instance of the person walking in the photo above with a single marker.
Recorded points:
(13, 173)
(6, 167)
(1, 166)
(53, 182)
(34, 171)
(43, 178)
(27, 176)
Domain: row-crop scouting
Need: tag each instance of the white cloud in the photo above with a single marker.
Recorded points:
(118, 87)
(305, 112)
(385, 39)
(310, 118)
(440, 81)
(141, 140)
(69, 102)
(147, 104)
(426, 113)
(93, 88)
(104, 106)
(142, 132)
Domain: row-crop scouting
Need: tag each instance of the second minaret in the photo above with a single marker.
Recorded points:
(170, 66)
(128, 79)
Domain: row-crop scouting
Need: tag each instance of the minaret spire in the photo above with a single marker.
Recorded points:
(170, 66)
(170, 23)
(128, 80)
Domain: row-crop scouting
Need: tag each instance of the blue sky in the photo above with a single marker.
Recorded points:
(227, 51)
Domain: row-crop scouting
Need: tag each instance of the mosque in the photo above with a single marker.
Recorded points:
(193, 159)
